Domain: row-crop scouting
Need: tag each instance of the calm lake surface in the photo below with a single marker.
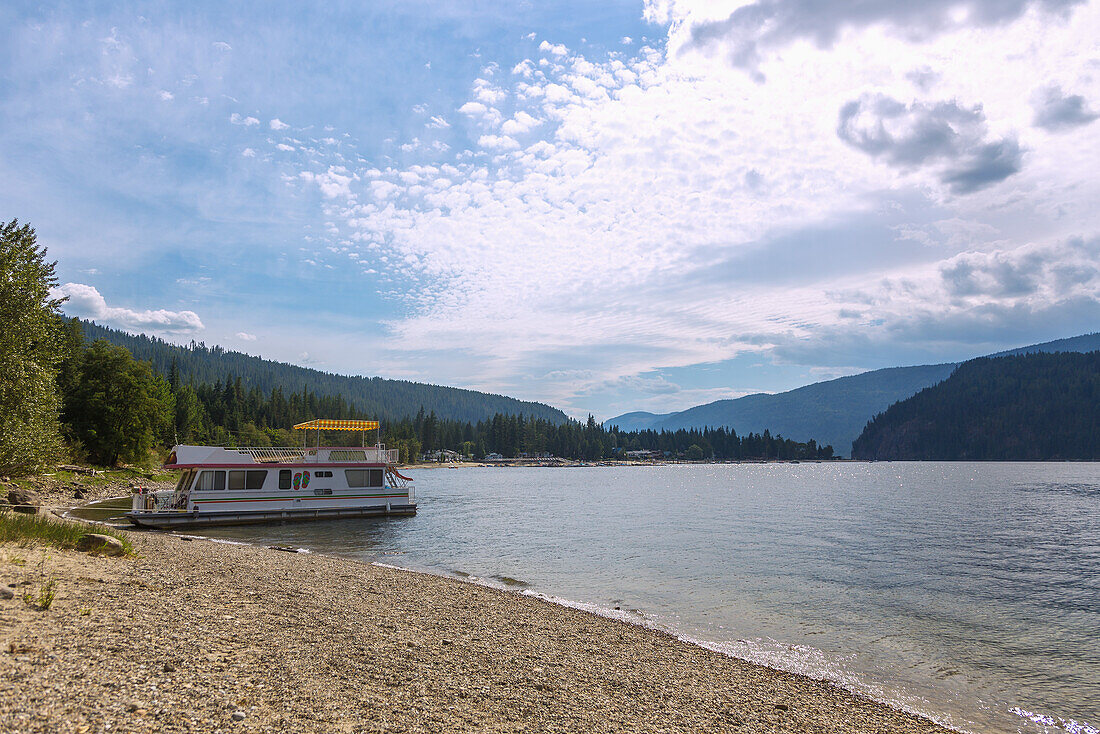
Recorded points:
(966, 592)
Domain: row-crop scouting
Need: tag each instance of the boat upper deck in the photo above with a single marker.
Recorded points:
(190, 457)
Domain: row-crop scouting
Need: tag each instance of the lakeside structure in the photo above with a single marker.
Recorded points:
(233, 486)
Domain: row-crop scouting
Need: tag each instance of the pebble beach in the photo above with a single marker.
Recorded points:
(193, 635)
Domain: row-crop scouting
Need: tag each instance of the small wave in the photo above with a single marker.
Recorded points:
(511, 582)
(1068, 725)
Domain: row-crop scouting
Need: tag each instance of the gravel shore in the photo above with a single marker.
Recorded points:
(203, 636)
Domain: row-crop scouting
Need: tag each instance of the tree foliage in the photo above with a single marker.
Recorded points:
(29, 331)
(117, 407)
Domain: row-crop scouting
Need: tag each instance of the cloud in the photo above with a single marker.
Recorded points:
(244, 336)
(981, 296)
(921, 134)
(165, 95)
(553, 49)
(336, 181)
(222, 46)
(86, 301)
(984, 166)
(438, 123)
(755, 27)
(284, 147)
(923, 78)
(236, 119)
(248, 153)
(498, 142)
(522, 122)
(1057, 111)
(277, 124)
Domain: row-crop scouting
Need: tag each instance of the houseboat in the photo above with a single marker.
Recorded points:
(235, 486)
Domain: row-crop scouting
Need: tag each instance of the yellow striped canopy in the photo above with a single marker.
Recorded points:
(326, 424)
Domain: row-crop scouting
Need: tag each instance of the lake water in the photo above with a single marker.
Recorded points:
(966, 592)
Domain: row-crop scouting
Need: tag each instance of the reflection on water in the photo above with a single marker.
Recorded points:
(970, 592)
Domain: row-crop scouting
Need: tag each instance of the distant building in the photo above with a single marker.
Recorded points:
(442, 455)
(493, 457)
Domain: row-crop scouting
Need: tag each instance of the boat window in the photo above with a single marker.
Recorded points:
(364, 477)
(255, 479)
(211, 480)
(284, 478)
(185, 480)
(236, 480)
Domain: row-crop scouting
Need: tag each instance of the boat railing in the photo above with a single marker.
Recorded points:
(272, 454)
(164, 501)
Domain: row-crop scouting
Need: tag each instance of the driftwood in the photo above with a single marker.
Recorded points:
(79, 469)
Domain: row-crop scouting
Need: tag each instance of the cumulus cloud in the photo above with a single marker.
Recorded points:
(920, 134)
(277, 124)
(961, 306)
(999, 285)
(236, 119)
(165, 95)
(555, 49)
(438, 123)
(498, 142)
(522, 122)
(244, 336)
(87, 302)
(751, 29)
(1057, 111)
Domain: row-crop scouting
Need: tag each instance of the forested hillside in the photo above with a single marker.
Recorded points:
(388, 400)
(1035, 407)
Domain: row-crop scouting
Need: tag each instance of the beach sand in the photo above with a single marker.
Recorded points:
(204, 636)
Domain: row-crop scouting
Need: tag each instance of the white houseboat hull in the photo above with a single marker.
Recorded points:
(220, 486)
(165, 520)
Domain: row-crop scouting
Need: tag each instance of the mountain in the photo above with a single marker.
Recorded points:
(1083, 343)
(389, 400)
(636, 421)
(833, 412)
(1026, 407)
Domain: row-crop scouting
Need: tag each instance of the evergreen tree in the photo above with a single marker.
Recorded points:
(29, 352)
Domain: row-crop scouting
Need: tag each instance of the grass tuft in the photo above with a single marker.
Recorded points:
(46, 593)
(33, 529)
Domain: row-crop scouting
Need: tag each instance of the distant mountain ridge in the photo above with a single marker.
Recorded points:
(389, 400)
(833, 412)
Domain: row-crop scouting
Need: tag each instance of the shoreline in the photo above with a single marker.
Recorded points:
(322, 643)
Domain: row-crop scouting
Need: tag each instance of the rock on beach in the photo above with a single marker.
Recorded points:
(99, 544)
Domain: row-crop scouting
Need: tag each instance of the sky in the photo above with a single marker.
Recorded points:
(606, 206)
